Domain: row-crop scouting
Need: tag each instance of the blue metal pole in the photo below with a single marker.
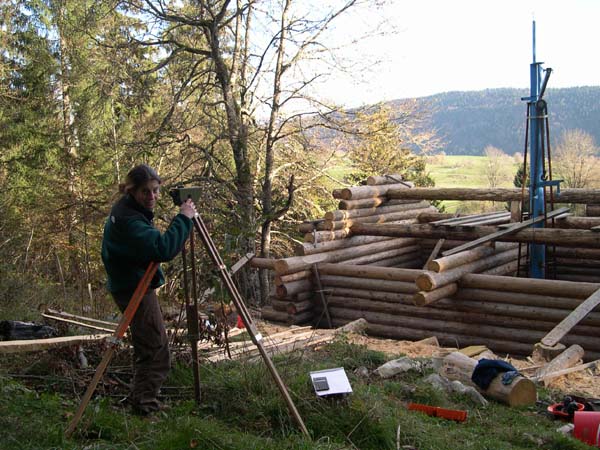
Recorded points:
(537, 202)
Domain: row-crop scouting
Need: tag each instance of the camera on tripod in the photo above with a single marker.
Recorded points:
(180, 194)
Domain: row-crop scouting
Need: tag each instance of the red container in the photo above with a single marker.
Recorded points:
(587, 427)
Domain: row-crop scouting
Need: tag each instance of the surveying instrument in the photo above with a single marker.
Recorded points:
(181, 194)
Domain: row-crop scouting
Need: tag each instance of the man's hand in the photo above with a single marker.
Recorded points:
(188, 209)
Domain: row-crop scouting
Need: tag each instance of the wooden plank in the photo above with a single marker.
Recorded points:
(36, 345)
(434, 253)
(578, 314)
(549, 376)
(508, 230)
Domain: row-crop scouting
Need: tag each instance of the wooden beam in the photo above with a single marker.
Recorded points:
(555, 236)
(560, 330)
(497, 194)
(35, 345)
(508, 230)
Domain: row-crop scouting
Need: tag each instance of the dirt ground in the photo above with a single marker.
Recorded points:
(585, 383)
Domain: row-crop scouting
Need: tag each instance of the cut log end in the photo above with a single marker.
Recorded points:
(523, 393)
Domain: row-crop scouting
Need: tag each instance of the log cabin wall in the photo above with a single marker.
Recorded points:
(469, 298)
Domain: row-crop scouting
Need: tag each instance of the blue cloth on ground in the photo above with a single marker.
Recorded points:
(487, 369)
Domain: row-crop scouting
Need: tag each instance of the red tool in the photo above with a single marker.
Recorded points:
(436, 411)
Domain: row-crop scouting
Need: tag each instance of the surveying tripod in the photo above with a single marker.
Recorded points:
(179, 196)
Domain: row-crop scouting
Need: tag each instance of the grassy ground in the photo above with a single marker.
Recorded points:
(242, 409)
(468, 172)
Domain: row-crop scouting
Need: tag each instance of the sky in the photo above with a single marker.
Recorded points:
(460, 45)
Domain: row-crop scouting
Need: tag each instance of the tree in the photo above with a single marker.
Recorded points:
(387, 141)
(575, 159)
(254, 65)
(495, 166)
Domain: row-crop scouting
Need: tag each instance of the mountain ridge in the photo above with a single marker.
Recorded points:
(469, 121)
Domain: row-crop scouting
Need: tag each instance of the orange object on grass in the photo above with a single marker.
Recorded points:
(436, 411)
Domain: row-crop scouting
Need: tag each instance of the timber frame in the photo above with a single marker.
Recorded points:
(386, 255)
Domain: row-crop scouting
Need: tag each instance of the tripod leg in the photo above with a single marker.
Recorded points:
(247, 319)
(193, 331)
(132, 307)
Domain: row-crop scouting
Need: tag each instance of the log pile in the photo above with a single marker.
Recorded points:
(369, 255)
(327, 241)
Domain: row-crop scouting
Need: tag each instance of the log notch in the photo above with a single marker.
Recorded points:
(520, 392)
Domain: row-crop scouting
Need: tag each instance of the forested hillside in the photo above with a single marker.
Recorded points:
(469, 121)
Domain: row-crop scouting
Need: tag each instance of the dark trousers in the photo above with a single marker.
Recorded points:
(152, 360)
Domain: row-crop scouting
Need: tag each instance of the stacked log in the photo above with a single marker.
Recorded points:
(327, 241)
(369, 255)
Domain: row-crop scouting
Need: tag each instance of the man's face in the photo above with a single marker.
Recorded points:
(147, 194)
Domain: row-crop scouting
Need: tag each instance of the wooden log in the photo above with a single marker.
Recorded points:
(428, 281)
(370, 203)
(531, 312)
(311, 226)
(592, 210)
(298, 263)
(293, 288)
(344, 214)
(360, 192)
(570, 357)
(558, 332)
(308, 248)
(384, 179)
(551, 236)
(578, 278)
(423, 298)
(577, 222)
(279, 305)
(262, 263)
(409, 261)
(495, 194)
(550, 376)
(589, 263)
(520, 392)
(427, 217)
(336, 193)
(388, 315)
(402, 217)
(576, 253)
(377, 273)
(508, 268)
(299, 307)
(573, 269)
(348, 299)
(429, 244)
(283, 279)
(366, 283)
(450, 262)
(408, 253)
(518, 298)
(36, 345)
(529, 286)
(402, 332)
(322, 236)
(372, 296)
(268, 313)
(511, 229)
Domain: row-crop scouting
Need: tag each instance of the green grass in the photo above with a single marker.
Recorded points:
(455, 171)
(241, 408)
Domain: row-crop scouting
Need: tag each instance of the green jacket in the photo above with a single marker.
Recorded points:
(131, 242)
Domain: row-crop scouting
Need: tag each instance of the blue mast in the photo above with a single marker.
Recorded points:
(537, 201)
(537, 113)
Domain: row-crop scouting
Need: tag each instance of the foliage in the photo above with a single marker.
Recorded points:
(384, 143)
(242, 408)
(576, 159)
